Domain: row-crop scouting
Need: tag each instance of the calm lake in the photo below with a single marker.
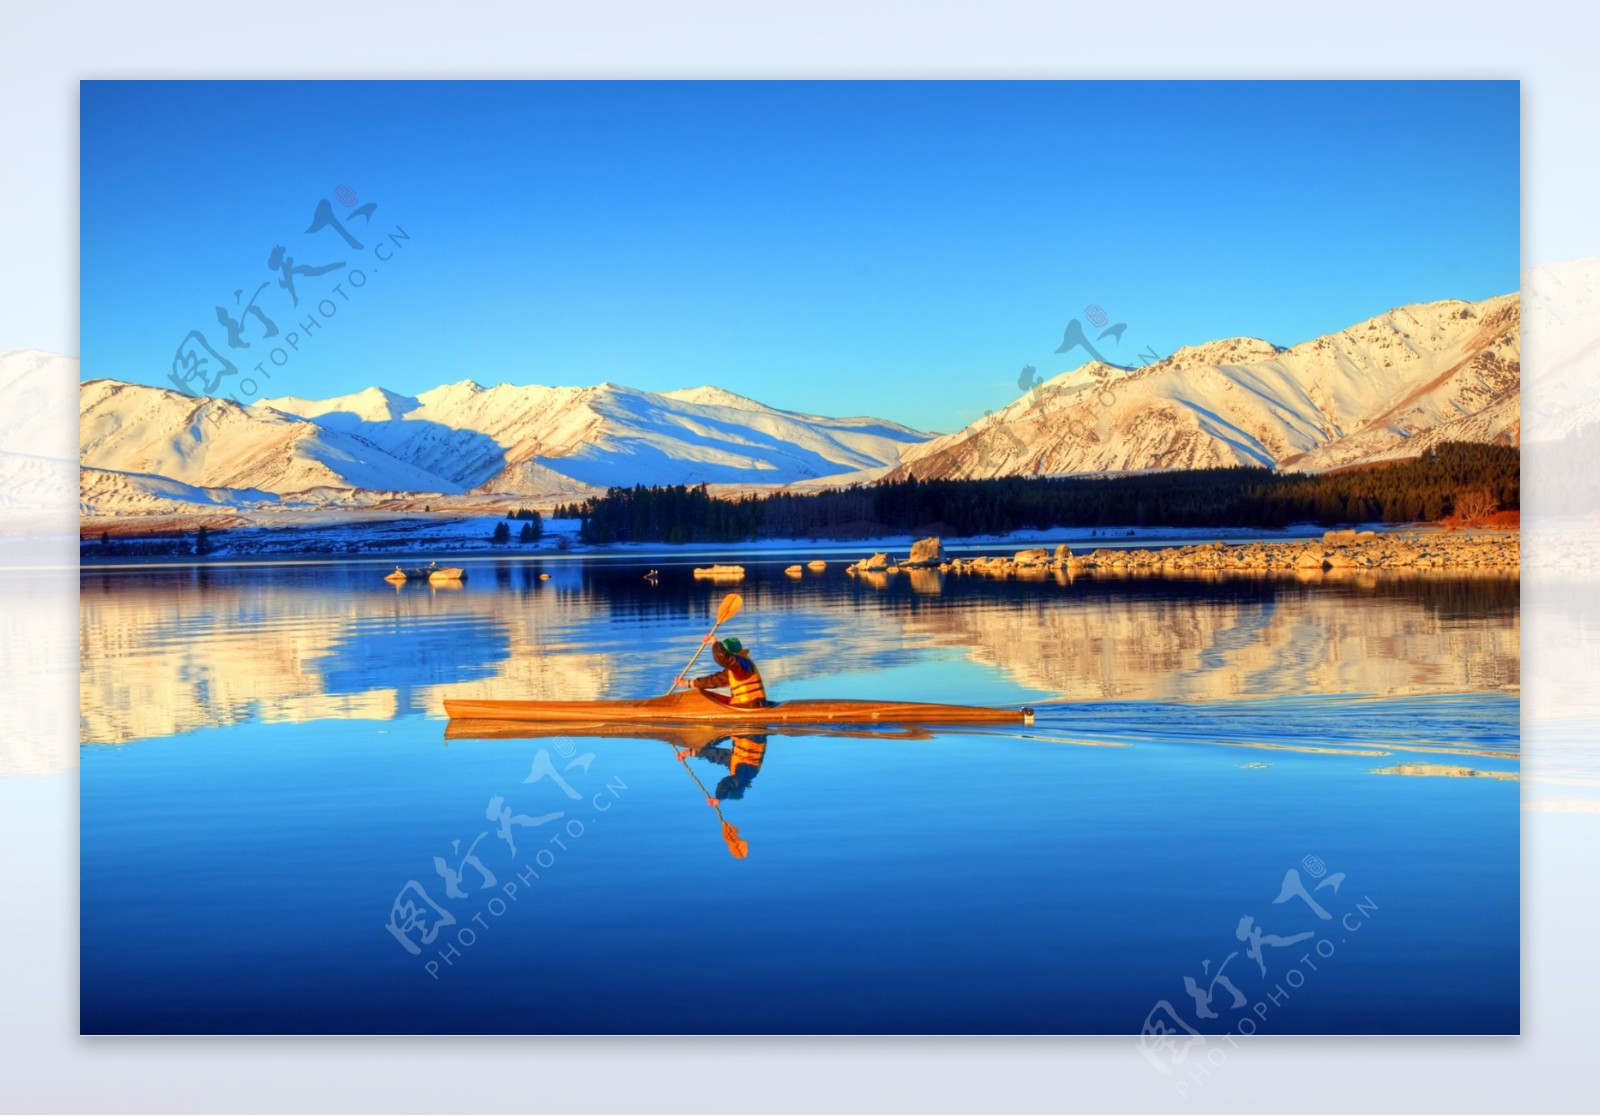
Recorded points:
(1247, 804)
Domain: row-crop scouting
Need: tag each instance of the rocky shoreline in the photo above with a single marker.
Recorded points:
(1336, 552)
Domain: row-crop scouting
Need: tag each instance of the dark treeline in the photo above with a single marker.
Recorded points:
(1427, 488)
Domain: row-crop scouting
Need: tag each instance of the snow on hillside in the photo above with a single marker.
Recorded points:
(1360, 394)
(213, 443)
(715, 396)
(542, 442)
(102, 490)
(1388, 387)
(668, 440)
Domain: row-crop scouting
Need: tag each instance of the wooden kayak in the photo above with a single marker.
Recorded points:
(694, 706)
(684, 734)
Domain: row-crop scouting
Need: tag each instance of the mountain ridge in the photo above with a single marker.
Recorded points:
(1387, 387)
(458, 439)
(1364, 392)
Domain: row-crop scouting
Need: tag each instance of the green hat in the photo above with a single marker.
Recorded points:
(733, 647)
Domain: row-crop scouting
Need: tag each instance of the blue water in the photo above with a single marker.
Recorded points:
(265, 772)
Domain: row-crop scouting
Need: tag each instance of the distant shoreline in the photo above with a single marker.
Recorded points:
(470, 543)
(1337, 552)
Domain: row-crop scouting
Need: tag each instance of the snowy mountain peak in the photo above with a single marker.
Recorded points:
(462, 438)
(373, 404)
(1387, 387)
(1232, 350)
(715, 397)
(445, 393)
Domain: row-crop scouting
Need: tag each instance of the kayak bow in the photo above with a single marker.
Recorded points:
(694, 706)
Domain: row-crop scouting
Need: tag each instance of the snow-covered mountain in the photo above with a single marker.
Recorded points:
(533, 440)
(1387, 387)
(155, 450)
(214, 443)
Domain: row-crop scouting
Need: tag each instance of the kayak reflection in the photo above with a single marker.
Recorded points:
(742, 757)
(741, 754)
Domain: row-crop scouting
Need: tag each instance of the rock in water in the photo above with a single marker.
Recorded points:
(1063, 555)
(1037, 557)
(721, 572)
(926, 552)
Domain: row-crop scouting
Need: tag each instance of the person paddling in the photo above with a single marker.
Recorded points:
(738, 674)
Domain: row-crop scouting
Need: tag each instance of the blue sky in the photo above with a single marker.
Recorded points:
(886, 248)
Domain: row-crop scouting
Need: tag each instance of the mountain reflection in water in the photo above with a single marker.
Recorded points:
(168, 650)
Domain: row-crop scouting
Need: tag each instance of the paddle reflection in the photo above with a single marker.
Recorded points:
(734, 758)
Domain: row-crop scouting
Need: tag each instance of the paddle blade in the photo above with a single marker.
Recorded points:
(731, 604)
(738, 846)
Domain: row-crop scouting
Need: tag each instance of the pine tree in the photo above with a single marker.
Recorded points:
(502, 533)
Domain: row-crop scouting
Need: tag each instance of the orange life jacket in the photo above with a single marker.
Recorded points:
(744, 682)
(746, 753)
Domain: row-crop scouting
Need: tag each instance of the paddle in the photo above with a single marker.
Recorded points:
(731, 604)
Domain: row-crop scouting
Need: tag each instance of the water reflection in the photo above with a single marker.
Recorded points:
(165, 650)
(734, 758)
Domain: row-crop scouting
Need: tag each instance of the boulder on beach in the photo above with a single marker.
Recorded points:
(1309, 560)
(1035, 557)
(1063, 554)
(925, 552)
